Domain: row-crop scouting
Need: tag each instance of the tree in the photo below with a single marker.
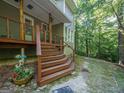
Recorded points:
(119, 13)
(96, 23)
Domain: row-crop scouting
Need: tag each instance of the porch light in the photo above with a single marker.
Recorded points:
(29, 6)
(16, 1)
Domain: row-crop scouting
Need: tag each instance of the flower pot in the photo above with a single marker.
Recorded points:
(22, 81)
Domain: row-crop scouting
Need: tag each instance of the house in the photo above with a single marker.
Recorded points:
(42, 29)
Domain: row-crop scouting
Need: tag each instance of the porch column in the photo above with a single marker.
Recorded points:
(22, 25)
(21, 19)
(50, 27)
(38, 42)
(38, 48)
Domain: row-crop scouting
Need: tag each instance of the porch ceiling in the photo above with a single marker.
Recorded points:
(41, 10)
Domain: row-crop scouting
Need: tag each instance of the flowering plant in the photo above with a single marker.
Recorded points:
(20, 71)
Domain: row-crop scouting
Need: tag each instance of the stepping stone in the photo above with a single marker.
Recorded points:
(65, 89)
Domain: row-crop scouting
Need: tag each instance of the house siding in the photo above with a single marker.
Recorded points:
(68, 13)
(68, 28)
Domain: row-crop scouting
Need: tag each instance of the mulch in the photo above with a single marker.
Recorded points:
(5, 74)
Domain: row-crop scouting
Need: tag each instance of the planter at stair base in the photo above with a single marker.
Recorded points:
(22, 73)
(22, 81)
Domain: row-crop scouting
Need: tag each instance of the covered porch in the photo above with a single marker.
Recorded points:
(20, 27)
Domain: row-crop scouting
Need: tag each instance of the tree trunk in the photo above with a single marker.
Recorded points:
(121, 46)
(87, 50)
(120, 18)
(87, 45)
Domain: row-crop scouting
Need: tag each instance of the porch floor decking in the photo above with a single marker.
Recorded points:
(8, 43)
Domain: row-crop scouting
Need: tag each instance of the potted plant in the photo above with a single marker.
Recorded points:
(21, 74)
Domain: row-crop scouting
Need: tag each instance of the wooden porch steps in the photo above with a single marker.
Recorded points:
(49, 78)
(53, 64)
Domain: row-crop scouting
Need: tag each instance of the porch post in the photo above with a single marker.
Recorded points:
(21, 19)
(50, 27)
(22, 25)
(38, 48)
(38, 42)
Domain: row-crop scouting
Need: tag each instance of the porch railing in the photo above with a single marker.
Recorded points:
(59, 40)
(10, 29)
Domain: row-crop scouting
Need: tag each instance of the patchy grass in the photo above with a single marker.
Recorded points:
(105, 77)
(119, 76)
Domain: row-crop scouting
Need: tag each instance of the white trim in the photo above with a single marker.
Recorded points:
(45, 26)
(29, 18)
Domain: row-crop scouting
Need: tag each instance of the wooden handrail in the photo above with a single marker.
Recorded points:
(71, 49)
(63, 42)
(60, 41)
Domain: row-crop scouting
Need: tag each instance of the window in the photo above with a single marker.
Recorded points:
(65, 34)
(45, 27)
(29, 23)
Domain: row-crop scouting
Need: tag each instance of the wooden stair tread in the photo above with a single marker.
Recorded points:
(54, 76)
(51, 58)
(44, 46)
(51, 53)
(54, 63)
(57, 68)
(49, 50)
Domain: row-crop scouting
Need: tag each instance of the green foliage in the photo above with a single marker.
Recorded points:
(20, 71)
(97, 28)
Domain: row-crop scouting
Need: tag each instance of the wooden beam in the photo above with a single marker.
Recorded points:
(21, 19)
(14, 46)
(39, 70)
(6, 40)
